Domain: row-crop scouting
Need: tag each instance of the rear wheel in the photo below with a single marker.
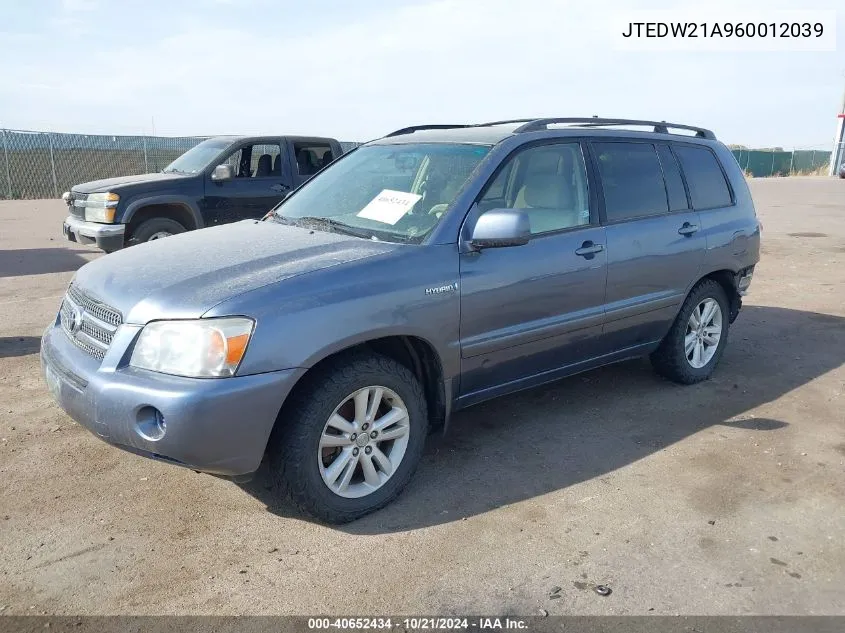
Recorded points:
(155, 229)
(691, 350)
(353, 440)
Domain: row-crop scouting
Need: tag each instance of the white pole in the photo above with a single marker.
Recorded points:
(838, 141)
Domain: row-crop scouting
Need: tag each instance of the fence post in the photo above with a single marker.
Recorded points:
(791, 161)
(8, 170)
(53, 166)
(772, 169)
(146, 167)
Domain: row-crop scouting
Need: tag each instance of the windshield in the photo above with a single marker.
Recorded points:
(198, 158)
(389, 192)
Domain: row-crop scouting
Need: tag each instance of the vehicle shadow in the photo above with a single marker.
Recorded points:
(11, 346)
(528, 444)
(39, 261)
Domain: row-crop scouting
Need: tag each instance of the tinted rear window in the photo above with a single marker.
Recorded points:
(632, 180)
(707, 185)
(672, 174)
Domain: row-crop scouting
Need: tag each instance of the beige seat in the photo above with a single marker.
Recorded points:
(548, 199)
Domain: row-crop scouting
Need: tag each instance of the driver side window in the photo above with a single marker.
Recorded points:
(548, 182)
(256, 161)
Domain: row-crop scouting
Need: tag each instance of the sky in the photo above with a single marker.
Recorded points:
(357, 69)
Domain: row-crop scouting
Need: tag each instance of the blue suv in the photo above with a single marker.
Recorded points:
(421, 273)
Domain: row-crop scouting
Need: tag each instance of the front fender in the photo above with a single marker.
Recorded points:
(145, 201)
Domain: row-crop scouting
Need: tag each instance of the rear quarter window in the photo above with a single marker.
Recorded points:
(707, 185)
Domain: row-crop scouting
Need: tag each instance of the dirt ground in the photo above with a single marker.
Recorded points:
(721, 498)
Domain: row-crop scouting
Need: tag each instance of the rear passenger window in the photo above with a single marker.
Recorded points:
(632, 180)
(312, 157)
(672, 175)
(707, 185)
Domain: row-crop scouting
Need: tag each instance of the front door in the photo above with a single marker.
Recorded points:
(529, 311)
(262, 178)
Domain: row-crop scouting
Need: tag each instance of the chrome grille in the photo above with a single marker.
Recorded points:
(100, 310)
(76, 204)
(89, 324)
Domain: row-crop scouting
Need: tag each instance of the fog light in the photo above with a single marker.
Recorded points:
(150, 424)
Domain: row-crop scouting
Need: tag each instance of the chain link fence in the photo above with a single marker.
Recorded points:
(46, 164)
(763, 163)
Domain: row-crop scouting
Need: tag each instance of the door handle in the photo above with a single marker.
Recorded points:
(279, 188)
(688, 229)
(588, 249)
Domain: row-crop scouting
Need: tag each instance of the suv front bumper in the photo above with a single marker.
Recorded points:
(216, 425)
(108, 237)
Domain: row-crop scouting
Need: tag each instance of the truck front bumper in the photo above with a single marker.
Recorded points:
(220, 426)
(108, 237)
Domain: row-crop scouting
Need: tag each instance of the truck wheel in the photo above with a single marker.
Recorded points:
(155, 229)
(691, 350)
(354, 436)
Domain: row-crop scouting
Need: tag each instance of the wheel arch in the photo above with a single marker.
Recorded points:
(179, 208)
(418, 354)
(727, 279)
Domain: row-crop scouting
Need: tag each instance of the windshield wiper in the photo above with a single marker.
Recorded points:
(329, 224)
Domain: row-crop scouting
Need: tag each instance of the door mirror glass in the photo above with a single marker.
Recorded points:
(501, 227)
(222, 172)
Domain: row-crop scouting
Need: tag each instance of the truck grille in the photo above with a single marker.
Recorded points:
(89, 324)
(76, 204)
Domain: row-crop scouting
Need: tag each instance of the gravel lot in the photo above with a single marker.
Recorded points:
(721, 498)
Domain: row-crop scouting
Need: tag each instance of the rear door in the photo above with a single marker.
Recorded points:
(727, 227)
(528, 311)
(262, 178)
(655, 248)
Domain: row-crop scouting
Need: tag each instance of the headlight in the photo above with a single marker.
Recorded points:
(205, 348)
(100, 207)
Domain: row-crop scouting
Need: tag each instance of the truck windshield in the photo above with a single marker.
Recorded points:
(389, 192)
(198, 158)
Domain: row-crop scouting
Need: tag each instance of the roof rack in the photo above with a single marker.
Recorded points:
(533, 125)
(446, 126)
(660, 127)
(436, 126)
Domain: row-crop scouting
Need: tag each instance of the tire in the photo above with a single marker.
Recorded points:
(671, 359)
(154, 228)
(298, 462)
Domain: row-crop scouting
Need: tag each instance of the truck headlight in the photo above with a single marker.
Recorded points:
(204, 348)
(100, 207)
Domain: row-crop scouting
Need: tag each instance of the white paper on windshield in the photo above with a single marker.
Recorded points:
(389, 206)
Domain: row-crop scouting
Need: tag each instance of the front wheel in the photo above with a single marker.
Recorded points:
(353, 440)
(691, 350)
(155, 229)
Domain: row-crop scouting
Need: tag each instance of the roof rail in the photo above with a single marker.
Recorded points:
(660, 127)
(490, 123)
(436, 126)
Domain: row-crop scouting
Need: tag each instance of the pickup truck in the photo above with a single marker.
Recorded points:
(220, 180)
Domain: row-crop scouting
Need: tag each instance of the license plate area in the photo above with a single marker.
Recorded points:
(54, 382)
(67, 233)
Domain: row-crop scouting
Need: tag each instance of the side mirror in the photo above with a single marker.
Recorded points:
(501, 227)
(222, 172)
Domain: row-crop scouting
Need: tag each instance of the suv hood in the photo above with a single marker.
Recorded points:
(111, 184)
(184, 276)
